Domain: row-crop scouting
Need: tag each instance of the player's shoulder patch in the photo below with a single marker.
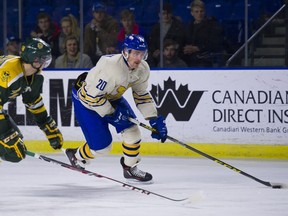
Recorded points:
(10, 70)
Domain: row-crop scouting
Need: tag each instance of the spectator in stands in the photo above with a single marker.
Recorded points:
(203, 38)
(129, 27)
(69, 26)
(100, 36)
(72, 57)
(170, 55)
(13, 46)
(49, 32)
(172, 29)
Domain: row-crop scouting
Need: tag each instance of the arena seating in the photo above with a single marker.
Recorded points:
(228, 12)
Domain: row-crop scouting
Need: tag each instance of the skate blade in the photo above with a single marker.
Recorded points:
(79, 164)
(135, 181)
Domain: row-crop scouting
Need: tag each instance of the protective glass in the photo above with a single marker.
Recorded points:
(139, 54)
(45, 61)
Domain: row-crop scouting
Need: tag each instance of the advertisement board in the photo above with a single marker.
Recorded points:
(200, 106)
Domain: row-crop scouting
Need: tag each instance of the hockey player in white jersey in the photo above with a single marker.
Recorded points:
(98, 101)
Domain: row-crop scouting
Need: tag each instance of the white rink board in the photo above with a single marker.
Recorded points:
(259, 114)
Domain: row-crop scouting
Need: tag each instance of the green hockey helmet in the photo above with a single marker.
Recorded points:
(36, 50)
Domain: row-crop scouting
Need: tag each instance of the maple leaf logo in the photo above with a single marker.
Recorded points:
(180, 102)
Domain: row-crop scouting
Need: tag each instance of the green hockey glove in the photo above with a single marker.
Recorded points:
(53, 134)
(12, 147)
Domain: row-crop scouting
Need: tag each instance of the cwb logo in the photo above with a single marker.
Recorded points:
(180, 102)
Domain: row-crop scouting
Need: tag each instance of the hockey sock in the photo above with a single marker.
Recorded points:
(84, 152)
(131, 152)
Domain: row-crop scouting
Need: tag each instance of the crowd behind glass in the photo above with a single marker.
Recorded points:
(195, 41)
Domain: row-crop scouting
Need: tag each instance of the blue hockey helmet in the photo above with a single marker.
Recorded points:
(134, 42)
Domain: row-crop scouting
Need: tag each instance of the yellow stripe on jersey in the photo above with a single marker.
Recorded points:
(37, 106)
(15, 93)
(38, 110)
(120, 91)
(98, 100)
(2, 116)
(38, 102)
(141, 99)
(131, 150)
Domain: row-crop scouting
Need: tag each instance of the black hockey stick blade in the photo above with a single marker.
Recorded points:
(266, 183)
(90, 173)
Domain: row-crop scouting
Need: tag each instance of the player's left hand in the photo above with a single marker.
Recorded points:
(53, 134)
(159, 124)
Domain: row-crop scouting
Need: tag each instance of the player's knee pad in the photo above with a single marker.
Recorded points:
(132, 135)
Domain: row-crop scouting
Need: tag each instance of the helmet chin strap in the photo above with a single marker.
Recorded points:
(37, 69)
(125, 56)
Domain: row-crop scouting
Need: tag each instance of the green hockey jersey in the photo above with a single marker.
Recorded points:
(14, 83)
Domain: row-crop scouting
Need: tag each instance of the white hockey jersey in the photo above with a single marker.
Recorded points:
(108, 81)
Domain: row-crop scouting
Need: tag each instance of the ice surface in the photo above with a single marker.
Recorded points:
(35, 187)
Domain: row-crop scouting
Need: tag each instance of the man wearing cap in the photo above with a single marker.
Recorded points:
(100, 37)
(13, 45)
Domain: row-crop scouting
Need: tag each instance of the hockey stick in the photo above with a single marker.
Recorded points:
(269, 184)
(128, 186)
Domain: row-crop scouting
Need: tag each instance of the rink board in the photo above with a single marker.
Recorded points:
(226, 112)
(174, 149)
